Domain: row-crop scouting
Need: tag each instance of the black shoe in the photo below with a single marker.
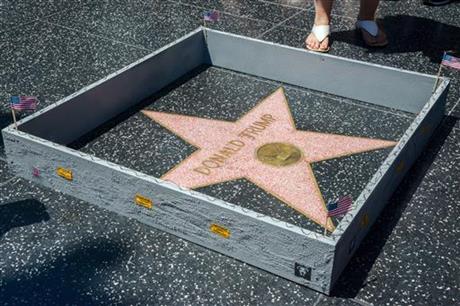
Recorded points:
(436, 2)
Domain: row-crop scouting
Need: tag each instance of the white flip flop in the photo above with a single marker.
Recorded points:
(320, 32)
(370, 26)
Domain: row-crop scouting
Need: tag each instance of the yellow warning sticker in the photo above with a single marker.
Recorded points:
(143, 201)
(400, 167)
(64, 173)
(219, 230)
(364, 220)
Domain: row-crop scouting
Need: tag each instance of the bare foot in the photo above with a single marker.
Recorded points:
(313, 43)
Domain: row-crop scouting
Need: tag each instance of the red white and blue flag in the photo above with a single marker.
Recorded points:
(339, 206)
(451, 61)
(211, 16)
(23, 102)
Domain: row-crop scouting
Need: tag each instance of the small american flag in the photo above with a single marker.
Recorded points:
(451, 61)
(211, 16)
(339, 207)
(23, 102)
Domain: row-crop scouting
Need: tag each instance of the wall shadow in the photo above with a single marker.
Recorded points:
(108, 125)
(21, 213)
(355, 275)
(411, 34)
(67, 279)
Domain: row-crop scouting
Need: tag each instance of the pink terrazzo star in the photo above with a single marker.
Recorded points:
(227, 151)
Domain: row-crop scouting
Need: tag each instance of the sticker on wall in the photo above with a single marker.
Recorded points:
(35, 172)
(302, 271)
(364, 222)
(219, 230)
(143, 201)
(65, 173)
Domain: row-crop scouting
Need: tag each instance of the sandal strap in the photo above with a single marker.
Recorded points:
(370, 26)
(321, 31)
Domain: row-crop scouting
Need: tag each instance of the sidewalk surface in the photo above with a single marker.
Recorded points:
(55, 249)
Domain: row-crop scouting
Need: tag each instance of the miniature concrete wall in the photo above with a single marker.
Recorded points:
(116, 93)
(259, 240)
(373, 199)
(395, 88)
(111, 96)
(264, 242)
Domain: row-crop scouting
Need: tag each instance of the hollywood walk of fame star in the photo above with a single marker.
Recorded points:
(265, 148)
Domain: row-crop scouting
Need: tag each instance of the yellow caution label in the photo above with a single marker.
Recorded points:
(364, 220)
(64, 173)
(143, 201)
(401, 166)
(219, 230)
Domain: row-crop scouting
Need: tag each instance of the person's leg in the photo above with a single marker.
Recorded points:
(372, 33)
(322, 17)
(367, 9)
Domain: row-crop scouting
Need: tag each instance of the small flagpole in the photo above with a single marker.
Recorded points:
(437, 78)
(325, 227)
(14, 117)
(205, 27)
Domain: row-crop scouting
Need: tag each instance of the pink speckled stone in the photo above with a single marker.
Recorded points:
(294, 184)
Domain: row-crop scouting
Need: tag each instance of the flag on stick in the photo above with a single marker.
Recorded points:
(451, 61)
(339, 207)
(448, 60)
(211, 16)
(20, 103)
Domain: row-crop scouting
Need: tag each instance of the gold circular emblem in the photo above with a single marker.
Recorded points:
(278, 154)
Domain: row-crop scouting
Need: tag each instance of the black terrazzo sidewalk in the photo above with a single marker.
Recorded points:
(57, 250)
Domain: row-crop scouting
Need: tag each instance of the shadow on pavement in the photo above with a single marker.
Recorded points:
(408, 34)
(66, 279)
(21, 213)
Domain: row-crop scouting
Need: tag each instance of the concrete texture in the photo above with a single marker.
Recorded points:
(84, 255)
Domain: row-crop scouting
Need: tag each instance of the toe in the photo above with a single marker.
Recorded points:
(315, 44)
(310, 41)
(324, 44)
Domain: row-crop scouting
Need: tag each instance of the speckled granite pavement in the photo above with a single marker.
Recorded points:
(58, 250)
